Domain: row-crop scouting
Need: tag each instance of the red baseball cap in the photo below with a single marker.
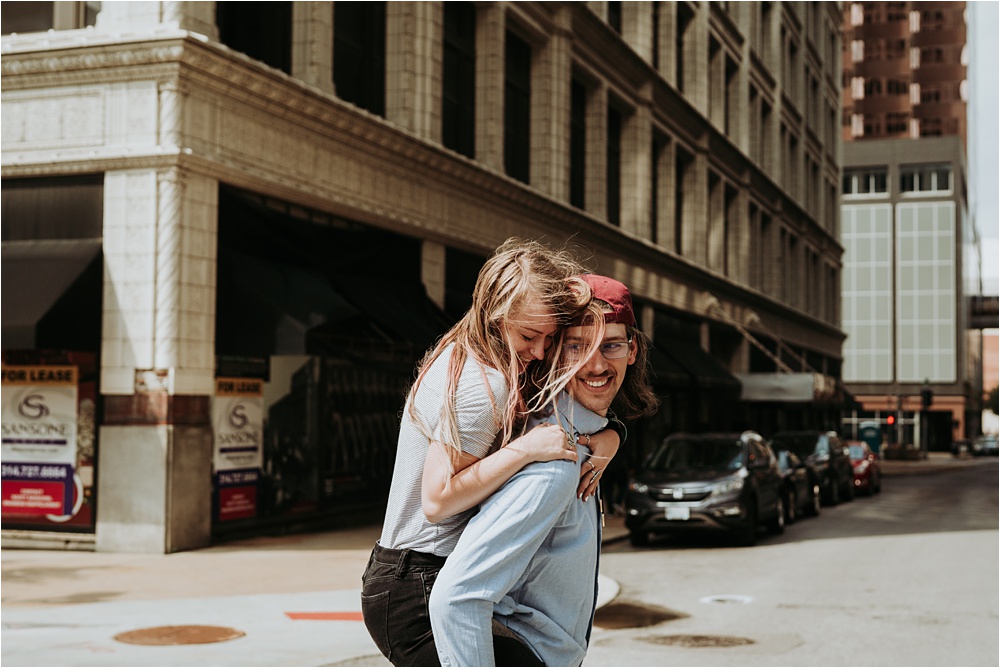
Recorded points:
(615, 295)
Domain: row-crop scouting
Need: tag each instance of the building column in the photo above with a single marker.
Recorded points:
(490, 74)
(198, 17)
(432, 271)
(696, 64)
(695, 223)
(414, 53)
(312, 44)
(666, 181)
(637, 28)
(550, 110)
(637, 168)
(596, 195)
(157, 361)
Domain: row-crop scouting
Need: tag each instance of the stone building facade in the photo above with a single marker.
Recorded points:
(905, 67)
(908, 241)
(310, 210)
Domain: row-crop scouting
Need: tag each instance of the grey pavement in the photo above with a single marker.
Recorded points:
(292, 600)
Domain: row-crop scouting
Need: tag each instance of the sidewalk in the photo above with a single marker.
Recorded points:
(295, 598)
(936, 462)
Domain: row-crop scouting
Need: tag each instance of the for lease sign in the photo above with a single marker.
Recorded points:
(38, 422)
(238, 427)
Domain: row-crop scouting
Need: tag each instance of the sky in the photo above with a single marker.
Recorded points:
(984, 134)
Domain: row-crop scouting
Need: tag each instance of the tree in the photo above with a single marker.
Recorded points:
(993, 400)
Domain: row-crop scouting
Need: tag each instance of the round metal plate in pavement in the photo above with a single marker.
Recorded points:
(179, 635)
(682, 640)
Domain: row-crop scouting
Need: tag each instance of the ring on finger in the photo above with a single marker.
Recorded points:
(592, 467)
(588, 439)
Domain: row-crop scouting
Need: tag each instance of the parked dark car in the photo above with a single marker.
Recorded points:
(961, 446)
(827, 458)
(867, 468)
(802, 495)
(706, 482)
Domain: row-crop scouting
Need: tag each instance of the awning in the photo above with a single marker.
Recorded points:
(402, 310)
(666, 372)
(34, 275)
(276, 307)
(789, 387)
(708, 374)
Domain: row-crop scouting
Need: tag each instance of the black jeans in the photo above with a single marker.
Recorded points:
(395, 590)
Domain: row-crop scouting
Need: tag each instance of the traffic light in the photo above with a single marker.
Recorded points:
(890, 420)
(926, 397)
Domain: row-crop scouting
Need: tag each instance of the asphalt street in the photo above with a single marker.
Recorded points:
(873, 582)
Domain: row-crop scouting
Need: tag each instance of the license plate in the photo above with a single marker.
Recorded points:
(681, 513)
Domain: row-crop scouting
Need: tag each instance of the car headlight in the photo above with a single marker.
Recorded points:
(728, 486)
(639, 487)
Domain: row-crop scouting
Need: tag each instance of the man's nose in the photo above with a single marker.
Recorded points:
(597, 363)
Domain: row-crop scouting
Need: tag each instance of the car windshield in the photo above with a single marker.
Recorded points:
(801, 444)
(857, 452)
(682, 454)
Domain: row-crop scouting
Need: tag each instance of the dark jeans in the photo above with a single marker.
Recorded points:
(395, 589)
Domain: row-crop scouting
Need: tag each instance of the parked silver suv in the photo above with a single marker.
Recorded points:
(706, 482)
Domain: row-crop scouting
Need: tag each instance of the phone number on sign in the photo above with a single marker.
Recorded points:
(33, 471)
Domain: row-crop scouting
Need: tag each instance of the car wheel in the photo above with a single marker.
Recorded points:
(816, 501)
(638, 538)
(777, 524)
(747, 534)
(877, 485)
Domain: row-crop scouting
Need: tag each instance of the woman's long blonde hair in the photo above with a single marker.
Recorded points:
(517, 271)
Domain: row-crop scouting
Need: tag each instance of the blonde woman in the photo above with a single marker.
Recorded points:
(456, 441)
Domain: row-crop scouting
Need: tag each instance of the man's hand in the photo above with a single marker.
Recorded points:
(603, 447)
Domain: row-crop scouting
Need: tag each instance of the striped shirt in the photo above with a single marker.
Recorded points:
(405, 525)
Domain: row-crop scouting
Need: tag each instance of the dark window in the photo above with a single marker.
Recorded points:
(656, 35)
(458, 109)
(262, 30)
(578, 144)
(359, 54)
(26, 16)
(659, 146)
(461, 270)
(730, 97)
(684, 162)
(517, 109)
(614, 166)
(615, 16)
(70, 207)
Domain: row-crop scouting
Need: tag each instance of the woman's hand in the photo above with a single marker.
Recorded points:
(603, 447)
(545, 443)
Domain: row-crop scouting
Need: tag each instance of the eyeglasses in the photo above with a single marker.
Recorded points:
(613, 350)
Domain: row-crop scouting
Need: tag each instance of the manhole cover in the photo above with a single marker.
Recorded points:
(699, 641)
(627, 615)
(727, 599)
(179, 635)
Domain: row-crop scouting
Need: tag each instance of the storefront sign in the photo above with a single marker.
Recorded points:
(238, 423)
(39, 423)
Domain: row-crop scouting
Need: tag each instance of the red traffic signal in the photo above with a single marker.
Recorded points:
(890, 420)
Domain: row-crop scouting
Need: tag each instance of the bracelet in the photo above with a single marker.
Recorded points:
(619, 428)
